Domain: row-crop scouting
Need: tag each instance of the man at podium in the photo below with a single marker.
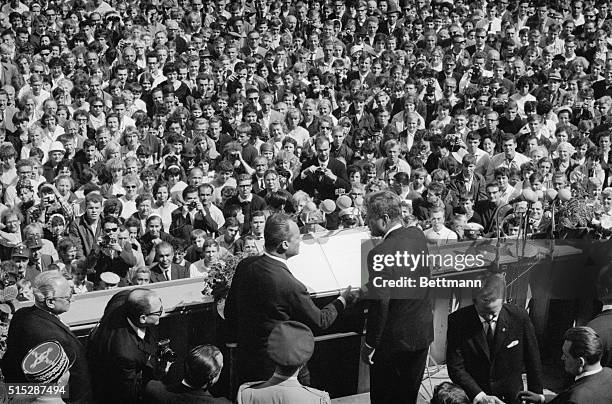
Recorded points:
(264, 293)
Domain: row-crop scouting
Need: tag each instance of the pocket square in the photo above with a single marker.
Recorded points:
(513, 344)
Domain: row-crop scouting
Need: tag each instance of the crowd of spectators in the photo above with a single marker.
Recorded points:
(148, 141)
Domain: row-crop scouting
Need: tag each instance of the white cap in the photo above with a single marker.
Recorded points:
(109, 278)
(57, 146)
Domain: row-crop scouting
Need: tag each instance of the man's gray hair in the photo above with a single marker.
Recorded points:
(46, 285)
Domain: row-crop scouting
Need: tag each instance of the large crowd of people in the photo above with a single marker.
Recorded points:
(144, 142)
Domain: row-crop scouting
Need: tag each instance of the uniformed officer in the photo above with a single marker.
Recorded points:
(290, 346)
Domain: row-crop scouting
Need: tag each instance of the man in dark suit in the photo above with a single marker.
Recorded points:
(469, 181)
(366, 78)
(264, 293)
(165, 269)
(86, 230)
(582, 350)
(399, 326)
(40, 323)
(192, 215)
(122, 351)
(324, 177)
(489, 345)
(602, 323)
(202, 370)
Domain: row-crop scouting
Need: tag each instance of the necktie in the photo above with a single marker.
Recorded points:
(167, 274)
(490, 335)
(38, 267)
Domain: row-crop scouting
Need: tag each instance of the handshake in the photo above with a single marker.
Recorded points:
(351, 296)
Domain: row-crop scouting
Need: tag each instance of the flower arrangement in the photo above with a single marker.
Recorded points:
(219, 278)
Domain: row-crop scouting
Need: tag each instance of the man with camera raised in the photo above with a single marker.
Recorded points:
(192, 215)
(110, 254)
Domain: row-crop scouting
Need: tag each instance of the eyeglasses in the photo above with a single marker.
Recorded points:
(67, 298)
(156, 313)
(114, 229)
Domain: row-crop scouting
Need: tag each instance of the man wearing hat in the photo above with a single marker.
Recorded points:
(54, 369)
(21, 258)
(40, 323)
(38, 262)
(290, 346)
(390, 25)
(56, 155)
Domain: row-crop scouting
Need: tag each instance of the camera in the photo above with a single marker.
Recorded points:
(192, 205)
(164, 351)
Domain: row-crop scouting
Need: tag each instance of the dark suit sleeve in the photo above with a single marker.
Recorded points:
(378, 309)
(342, 180)
(205, 222)
(129, 379)
(73, 232)
(532, 361)
(308, 313)
(177, 224)
(231, 310)
(454, 358)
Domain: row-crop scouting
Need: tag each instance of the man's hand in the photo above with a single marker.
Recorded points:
(367, 353)
(156, 241)
(116, 245)
(351, 296)
(529, 397)
(329, 174)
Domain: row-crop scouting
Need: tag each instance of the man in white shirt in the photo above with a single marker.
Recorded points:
(205, 192)
(508, 158)
(438, 233)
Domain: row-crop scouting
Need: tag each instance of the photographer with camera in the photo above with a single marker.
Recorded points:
(192, 215)
(124, 351)
(110, 254)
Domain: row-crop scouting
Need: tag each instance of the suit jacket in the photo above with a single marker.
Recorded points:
(257, 203)
(181, 227)
(321, 187)
(398, 323)
(176, 272)
(85, 239)
(593, 389)
(31, 326)
(474, 369)
(602, 324)
(158, 393)
(121, 363)
(369, 80)
(280, 390)
(264, 293)
(9, 72)
(458, 185)
(9, 112)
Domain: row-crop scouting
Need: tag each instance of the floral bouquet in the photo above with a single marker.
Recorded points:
(219, 278)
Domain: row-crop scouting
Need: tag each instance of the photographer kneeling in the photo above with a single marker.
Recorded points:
(123, 351)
